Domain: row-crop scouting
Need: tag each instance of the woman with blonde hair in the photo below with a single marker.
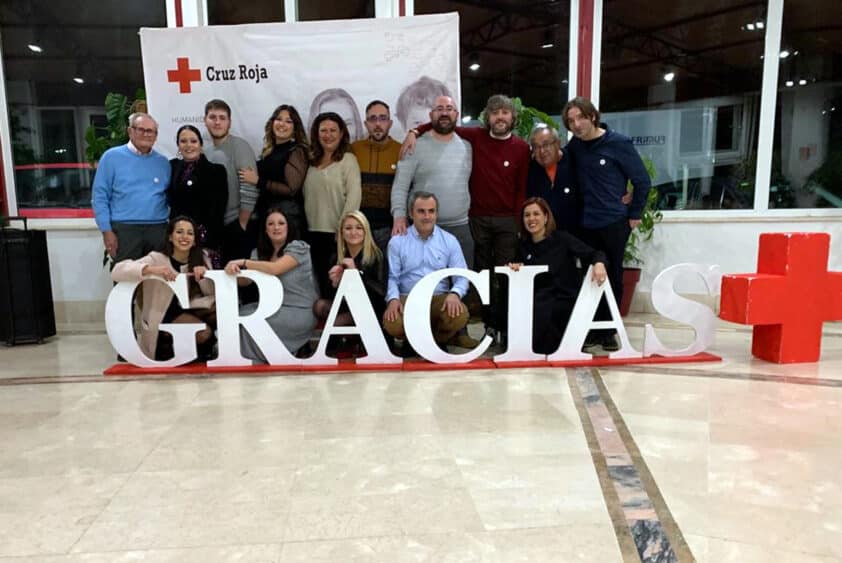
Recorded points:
(356, 250)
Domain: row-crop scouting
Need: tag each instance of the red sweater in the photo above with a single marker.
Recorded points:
(498, 175)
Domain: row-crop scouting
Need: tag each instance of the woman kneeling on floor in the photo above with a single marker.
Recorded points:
(281, 253)
(180, 255)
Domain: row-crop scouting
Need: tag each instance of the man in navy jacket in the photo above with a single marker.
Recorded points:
(604, 162)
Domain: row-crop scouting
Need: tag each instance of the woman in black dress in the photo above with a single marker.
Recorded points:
(199, 190)
(282, 166)
(555, 290)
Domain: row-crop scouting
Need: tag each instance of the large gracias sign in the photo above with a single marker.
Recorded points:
(665, 300)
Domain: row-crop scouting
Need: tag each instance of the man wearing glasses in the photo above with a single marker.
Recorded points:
(551, 177)
(129, 193)
(378, 157)
(440, 165)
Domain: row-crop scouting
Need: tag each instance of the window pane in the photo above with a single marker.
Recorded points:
(94, 42)
(332, 10)
(683, 80)
(807, 153)
(231, 12)
(521, 49)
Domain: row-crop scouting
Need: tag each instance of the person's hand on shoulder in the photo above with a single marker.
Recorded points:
(408, 146)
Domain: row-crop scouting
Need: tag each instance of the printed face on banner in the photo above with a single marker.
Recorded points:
(316, 67)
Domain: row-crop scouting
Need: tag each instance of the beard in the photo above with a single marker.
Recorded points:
(501, 127)
(444, 126)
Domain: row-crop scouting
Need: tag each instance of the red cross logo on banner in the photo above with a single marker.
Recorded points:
(788, 299)
(184, 75)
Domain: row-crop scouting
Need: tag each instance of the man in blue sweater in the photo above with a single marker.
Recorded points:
(129, 193)
(604, 162)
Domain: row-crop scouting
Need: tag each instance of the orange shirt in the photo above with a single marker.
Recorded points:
(550, 170)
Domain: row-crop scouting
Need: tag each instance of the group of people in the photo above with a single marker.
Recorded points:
(315, 205)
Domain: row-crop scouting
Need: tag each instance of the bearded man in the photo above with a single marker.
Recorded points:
(498, 189)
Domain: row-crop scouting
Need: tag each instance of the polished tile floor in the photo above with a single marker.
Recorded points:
(736, 461)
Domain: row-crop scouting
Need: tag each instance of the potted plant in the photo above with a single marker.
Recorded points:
(528, 117)
(632, 258)
(118, 108)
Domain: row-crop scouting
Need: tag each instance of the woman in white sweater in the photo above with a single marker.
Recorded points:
(180, 254)
(331, 189)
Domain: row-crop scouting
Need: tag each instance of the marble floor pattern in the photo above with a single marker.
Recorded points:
(735, 461)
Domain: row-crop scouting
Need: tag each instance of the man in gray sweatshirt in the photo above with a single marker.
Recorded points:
(441, 165)
(234, 154)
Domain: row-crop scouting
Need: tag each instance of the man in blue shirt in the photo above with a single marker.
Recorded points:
(129, 193)
(425, 248)
(604, 162)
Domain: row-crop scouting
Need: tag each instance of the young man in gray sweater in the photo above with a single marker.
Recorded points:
(234, 154)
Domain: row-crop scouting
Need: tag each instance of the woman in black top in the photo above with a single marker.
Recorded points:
(356, 250)
(555, 290)
(282, 167)
(199, 190)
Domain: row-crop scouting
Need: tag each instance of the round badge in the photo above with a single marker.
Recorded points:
(505, 163)
(189, 182)
(602, 162)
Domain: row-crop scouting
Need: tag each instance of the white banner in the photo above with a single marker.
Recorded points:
(341, 65)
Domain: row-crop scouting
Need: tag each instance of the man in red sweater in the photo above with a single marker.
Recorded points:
(498, 188)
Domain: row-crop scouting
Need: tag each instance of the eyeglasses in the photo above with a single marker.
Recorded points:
(144, 131)
(545, 145)
(376, 118)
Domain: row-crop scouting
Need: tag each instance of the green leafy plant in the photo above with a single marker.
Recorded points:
(118, 108)
(528, 117)
(650, 217)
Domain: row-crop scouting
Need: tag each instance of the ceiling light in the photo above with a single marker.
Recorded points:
(669, 76)
(802, 82)
(548, 42)
(466, 119)
(473, 62)
(759, 25)
(784, 54)
(78, 80)
(35, 48)
(790, 83)
(750, 27)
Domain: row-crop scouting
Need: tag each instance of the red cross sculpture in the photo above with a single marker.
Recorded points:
(788, 299)
(184, 75)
